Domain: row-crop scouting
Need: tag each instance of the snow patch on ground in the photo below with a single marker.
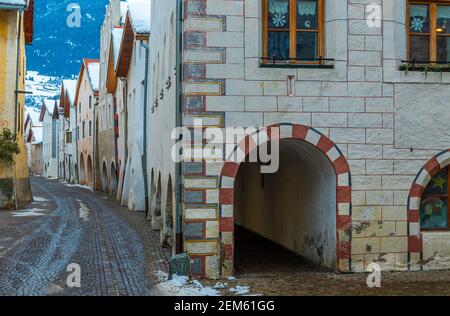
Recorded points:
(29, 212)
(182, 286)
(83, 211)
(39, 199)
(240, 290)
(78, 186)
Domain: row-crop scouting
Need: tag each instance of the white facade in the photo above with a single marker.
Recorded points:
(50, 140)
(133, 192)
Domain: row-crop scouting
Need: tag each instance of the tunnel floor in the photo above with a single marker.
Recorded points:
(257, 255)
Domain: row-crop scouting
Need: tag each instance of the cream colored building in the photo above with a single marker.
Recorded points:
(16, 30)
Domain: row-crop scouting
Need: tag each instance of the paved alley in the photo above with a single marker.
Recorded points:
(116, 249)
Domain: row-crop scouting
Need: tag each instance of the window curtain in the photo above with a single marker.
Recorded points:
(307, 7)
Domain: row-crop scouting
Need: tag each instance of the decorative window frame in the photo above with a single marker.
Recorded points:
(335, 46)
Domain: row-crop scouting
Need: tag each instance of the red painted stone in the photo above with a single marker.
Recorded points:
(226, 224)
(226, 196)
(247, 145)
(230, 169)
(325, 144)
(413, 216)
(344, 195)
(433, 167)
(341, 165)
(344, 222)
(344, 250)
(299, 131)
(273, 132)
(416, 190)
(229, 252)
(415, 244)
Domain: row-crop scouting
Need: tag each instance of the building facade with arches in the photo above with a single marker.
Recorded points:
(356, 92)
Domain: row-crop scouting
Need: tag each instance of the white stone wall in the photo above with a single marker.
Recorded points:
(133, 188)
(162, 118)
(373, 112)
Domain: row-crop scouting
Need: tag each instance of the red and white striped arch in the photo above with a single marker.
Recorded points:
(343, 190)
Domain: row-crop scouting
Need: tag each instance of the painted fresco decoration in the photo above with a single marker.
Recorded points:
(434, 203)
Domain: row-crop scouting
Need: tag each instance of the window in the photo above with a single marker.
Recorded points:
(90, 128)
(429, 31)
(84, 127)
(434, 208)
(69, 137)
(293, 30)
(90, 101)
(79, 107)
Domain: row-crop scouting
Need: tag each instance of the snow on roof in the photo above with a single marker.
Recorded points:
(71, 87)
(117, 33)
(14, 3)
(37, 132)
(49, 105)
(34, 115)
(93, 70)
(140, 16)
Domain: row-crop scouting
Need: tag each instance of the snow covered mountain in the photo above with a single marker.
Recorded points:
(60, 42)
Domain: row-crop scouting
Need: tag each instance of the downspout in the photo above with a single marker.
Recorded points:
(16, 92)
(94, 152)
(178, 123)
(76, 146)
(125, 106)
(16, 96)
(144, 163)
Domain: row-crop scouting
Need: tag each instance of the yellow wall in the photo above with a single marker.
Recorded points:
(8, 61)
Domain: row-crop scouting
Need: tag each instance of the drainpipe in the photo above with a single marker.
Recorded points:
(178, 123)
(144, 163)
(16, 96)
(94, 152)
(125, 106)
(76, 145)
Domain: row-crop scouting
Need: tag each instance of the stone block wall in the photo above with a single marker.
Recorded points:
(359, 105)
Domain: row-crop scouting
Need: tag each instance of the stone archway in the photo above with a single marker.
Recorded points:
(342, 207)
(105, 181)
(90, 178)
(82, 176)
(114, 181)
(415, 235)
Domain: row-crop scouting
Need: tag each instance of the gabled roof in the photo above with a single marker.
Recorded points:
(67, 98)
(93, 73)
(137, 27)
(14, 4)
(116, 38)
(23, 5)
(48, 107)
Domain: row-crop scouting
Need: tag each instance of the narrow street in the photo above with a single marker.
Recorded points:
(116, 249)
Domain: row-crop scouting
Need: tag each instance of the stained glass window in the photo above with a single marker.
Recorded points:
(429, 31)
(293, 30)
(434, 203)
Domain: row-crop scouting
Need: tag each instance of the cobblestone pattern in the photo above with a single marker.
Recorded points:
(117, 250)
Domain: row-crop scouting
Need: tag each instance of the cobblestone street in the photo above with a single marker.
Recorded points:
(117, 250)
(119, 253)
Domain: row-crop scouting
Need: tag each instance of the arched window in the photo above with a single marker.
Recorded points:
(293, 31)
(434, 205)
(429, 31)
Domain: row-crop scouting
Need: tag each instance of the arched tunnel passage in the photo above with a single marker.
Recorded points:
(286, 220)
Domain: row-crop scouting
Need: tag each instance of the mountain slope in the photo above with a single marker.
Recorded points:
(57, 49)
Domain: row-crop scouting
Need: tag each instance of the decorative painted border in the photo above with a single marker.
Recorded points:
(431, 168)
(343, 192)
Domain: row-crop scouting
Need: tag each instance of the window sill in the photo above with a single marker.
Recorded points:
(424, 68)
(299, 66)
